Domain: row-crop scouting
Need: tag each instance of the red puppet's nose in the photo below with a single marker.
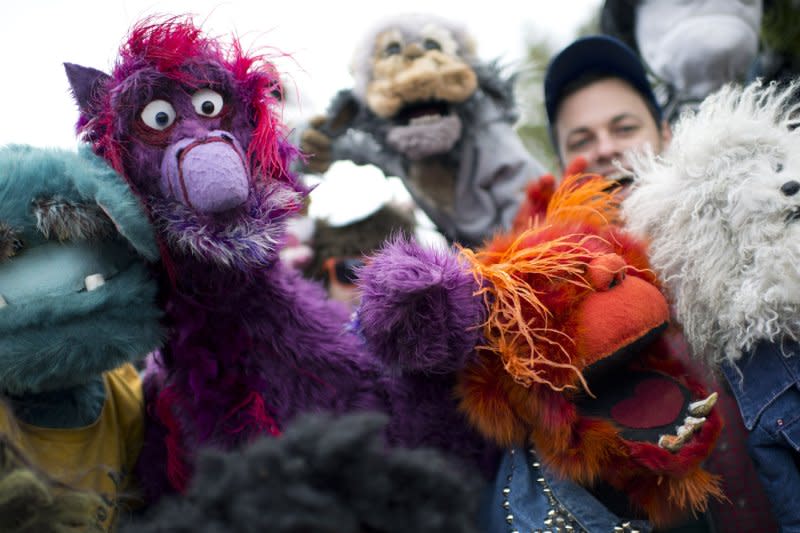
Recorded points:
(606, 272)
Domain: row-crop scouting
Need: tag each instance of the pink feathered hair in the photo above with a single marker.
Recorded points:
(169, 44)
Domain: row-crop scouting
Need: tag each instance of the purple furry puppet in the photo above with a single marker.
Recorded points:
(192, 125)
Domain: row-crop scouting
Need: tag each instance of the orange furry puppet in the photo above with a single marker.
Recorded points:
(575, 363)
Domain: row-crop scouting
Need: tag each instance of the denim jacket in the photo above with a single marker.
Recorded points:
(527, 497)
(766, 384)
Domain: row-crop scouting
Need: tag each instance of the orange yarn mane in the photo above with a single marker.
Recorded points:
(519, 323)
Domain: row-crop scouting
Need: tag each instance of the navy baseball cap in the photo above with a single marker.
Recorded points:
(598, 54)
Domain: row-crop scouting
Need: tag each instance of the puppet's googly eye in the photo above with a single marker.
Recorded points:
(207, 103)
(392, 49)
(158, 114)
(431, 44)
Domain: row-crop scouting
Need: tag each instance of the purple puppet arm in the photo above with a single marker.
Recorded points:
(419, 311)
(420, 315)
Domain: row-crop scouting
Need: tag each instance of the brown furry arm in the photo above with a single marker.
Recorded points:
(32, 503)
(9, 242)
(485, 389)
(64, 220)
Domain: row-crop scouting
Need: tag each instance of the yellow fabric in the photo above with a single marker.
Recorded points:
(98, 457)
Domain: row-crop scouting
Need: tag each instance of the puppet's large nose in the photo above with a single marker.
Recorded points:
(208, 174)
(606, 272)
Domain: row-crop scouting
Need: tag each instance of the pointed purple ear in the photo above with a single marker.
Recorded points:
(85, 83)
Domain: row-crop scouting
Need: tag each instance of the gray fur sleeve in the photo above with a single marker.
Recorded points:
(362, 149)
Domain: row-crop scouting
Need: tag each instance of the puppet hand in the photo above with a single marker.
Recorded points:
(316, 146)
(418, 310)
(538, 194)
(576, 166)
(30, 502)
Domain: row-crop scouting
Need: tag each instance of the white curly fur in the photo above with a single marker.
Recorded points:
(719, 225)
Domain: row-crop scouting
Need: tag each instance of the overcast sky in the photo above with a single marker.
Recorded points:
(37, 36)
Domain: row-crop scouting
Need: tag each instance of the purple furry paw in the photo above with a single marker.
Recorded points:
(418, 309)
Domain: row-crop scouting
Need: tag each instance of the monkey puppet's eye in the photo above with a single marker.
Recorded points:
(392, 49)
(158, 114)
(431, 44)
(207, 103)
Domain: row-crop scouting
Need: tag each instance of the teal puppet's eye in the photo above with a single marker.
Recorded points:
(207, 103)
(158, 114)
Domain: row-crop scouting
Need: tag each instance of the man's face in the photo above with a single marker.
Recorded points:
(602, 121)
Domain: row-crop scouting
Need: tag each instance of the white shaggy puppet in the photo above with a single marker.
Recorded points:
(721, 208)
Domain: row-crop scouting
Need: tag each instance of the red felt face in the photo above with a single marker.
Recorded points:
(594, 295)
(576, 365)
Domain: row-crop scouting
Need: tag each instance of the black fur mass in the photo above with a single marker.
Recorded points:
(323, 475)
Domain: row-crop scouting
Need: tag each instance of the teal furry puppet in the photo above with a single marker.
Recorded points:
(77, 306)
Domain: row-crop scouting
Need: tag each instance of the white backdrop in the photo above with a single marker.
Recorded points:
(37, 36)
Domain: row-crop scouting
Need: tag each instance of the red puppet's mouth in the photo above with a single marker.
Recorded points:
(646, 403)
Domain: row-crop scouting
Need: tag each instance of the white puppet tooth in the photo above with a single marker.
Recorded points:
(703, 407)
(692, 421)
(670, 443)
(94, 281)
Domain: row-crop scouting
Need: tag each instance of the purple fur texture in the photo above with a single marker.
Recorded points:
(252, 344)
(275, 339)
(418, 308)
(247, 353)
(246, 239)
